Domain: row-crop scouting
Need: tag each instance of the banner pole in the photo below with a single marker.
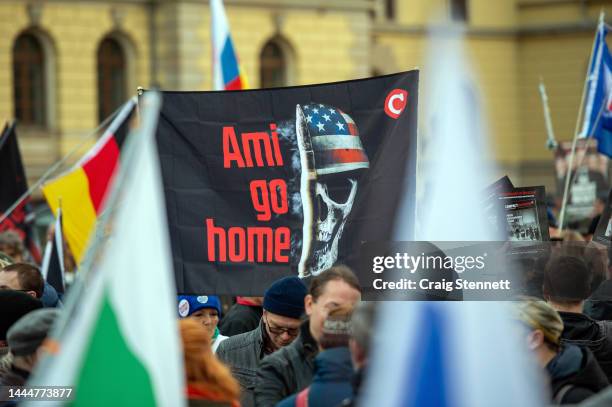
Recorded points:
(551, 142)
(578, 120)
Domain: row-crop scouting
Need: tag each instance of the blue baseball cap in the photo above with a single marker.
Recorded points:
(188, 304)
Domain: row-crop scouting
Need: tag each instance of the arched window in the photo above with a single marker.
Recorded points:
(112, 78)
(29, 80)
(390, 9)
(273, 66)
(459, 10)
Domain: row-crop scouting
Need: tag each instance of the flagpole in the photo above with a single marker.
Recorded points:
(59, 163)
(551, 142)
(60, 248)
(578, 120)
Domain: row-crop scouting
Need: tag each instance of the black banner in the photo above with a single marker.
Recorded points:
(13, 184)
(261, 184)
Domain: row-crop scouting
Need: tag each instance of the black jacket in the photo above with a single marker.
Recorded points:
(602, 399)
(599, 305)
(580, 330)
(286, 371)
(575, 375)
(240, 319)
(331, 382)
(13, 376)
(242, 353)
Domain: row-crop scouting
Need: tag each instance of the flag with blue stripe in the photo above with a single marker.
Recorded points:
(450, 354)
(597, 120)
(227, 74)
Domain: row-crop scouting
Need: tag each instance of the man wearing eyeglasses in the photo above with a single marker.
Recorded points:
(283, 306)
(290, 370)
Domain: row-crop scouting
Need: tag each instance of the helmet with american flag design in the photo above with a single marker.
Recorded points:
(334, 140)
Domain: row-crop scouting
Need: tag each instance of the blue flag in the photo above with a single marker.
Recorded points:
(597, 120)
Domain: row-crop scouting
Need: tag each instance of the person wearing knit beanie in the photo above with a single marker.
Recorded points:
(286, 297)
(24, 339)
(336, 328)
(206, 310)
(283, 307)
(26, 335)
(14, 304)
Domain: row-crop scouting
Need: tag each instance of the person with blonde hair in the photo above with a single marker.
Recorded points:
(572, 236)
(573, 371)
(209, 382)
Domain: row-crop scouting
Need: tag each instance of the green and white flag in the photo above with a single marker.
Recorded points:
(121, 343)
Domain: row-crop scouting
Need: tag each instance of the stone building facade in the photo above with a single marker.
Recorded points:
(67, 63)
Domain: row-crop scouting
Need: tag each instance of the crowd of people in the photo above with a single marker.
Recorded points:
(308, 342)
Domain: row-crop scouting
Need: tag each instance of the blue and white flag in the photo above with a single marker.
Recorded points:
(227, 72)
(451, 354)
(597, 118)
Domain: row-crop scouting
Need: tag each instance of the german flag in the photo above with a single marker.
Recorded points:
(83, 190)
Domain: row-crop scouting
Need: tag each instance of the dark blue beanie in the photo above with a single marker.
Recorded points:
(286, 297)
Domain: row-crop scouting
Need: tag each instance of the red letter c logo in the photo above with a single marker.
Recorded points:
(395, 103)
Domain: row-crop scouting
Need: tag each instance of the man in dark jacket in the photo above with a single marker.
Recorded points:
(599, 305)
(24, 338)
(290, 369)
(574, 374)
(567, 283)
(283, 307)
(333, 369)
(242, 317)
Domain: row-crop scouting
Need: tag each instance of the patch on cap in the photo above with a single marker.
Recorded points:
(202, 299)
(183, 308)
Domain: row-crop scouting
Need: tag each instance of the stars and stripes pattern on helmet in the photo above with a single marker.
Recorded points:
(335, 140)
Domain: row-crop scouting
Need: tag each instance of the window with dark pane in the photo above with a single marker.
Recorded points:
(29, 80)
(459, 10)
(390, 9)
(273, 66)
(111, 77)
